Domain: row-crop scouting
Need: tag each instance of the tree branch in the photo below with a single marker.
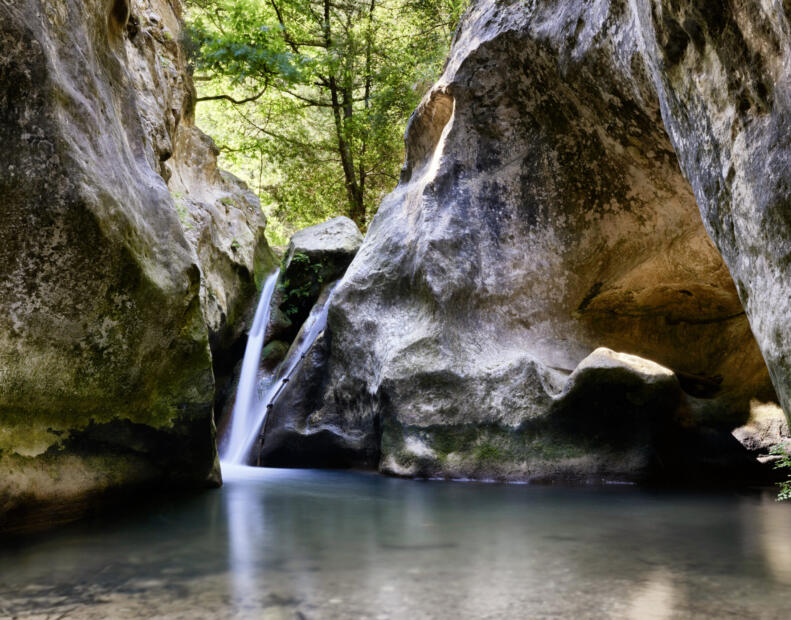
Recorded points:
(286, 36)
(231, 99)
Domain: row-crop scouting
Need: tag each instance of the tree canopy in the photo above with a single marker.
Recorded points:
(308, 99)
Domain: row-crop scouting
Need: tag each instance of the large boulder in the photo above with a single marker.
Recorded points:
(542, 213)
(607, 422)
(106, 374)
(334, 243)
(315, 256)
(323, 438)
(765, 432)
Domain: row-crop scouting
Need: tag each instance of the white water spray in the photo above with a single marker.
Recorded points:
(244, 409)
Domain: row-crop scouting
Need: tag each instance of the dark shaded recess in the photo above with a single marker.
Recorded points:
(24, 526)
(608, 414)
(616, 409)
(695, 32)
(224, 362)
(706, 456)
(300, 284)
(590, 296)
(182, 453)
(319, 449)
(715, 15)
(229, 341)
(674, 41)
(133, 26)
(120, 12)
(700, 386)
(181, 456)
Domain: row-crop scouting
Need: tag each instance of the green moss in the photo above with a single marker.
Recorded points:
(264, 262)
(488, 453)
(185, 217)
(446, 440)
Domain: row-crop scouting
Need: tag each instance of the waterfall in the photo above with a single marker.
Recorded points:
(244, 409)
(249, 412)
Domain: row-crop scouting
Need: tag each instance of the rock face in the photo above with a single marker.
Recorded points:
(224, 224)
(110, 289)
(766, 429)
(722, 75)
(542, 213)
(334, 242)
(610, 420)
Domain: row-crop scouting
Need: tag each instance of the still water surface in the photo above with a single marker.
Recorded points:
(299, 544)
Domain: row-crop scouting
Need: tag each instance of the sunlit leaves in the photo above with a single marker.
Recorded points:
(377, 57)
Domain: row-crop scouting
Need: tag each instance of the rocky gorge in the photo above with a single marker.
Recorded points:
(581, 274)
(128, 259)
(550, 204)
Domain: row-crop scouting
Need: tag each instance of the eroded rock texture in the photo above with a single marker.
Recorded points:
(723, 74)
(542, 213)
(109, 289)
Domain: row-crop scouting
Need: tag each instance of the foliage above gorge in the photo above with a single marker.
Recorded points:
(308, 99)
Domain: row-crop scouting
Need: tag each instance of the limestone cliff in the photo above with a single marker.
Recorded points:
(112, 283)
(542, 213)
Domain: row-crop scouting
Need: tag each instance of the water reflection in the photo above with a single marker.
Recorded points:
(654, 599)
(246, 528)
(775, 528)
(306, 544)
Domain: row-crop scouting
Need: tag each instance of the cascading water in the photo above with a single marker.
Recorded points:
(244, 409)
(249, 412)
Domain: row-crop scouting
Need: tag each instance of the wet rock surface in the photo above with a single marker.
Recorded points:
(542, 213)
(106, 281)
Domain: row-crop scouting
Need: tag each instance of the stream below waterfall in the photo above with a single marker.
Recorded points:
(304, 544)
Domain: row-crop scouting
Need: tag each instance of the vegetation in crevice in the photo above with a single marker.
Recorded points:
(300, 284)
(783, 463)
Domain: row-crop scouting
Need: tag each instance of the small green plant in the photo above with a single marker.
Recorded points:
(306, 283)
(235, 245)
(784, 462)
